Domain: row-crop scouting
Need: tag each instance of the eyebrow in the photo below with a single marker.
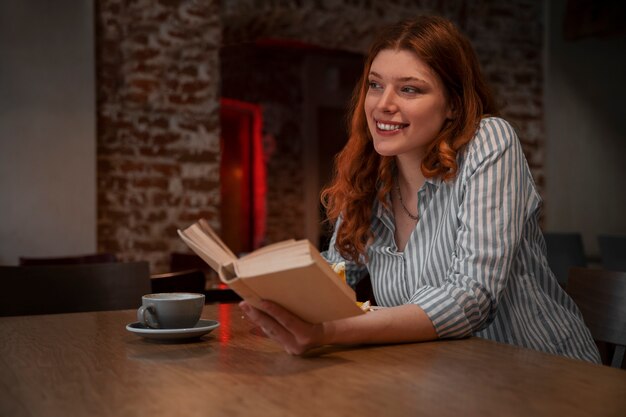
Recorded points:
(401, 79)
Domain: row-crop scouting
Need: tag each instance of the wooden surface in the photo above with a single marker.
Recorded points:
(87, 364)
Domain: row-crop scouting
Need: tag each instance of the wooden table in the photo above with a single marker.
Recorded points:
(87, 364)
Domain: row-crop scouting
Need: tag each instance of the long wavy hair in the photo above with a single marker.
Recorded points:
(361, 174)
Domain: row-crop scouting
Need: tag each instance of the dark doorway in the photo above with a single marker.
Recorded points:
(242, 175)
(303, 92)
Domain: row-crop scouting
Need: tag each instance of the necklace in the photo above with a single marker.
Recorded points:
(406, 210)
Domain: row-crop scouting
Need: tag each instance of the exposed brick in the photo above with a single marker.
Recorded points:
(189, 70)
(151, 246)
(168, 170)
(109, 245)
(165, 199)
(192, 216)
(159, 183)
(158, 216)
(145, 54)
(193, 87)
(145, 84)
(198, 184)
(163, 123)
(203, 156)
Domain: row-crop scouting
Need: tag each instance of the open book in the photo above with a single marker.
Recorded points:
(290, 273)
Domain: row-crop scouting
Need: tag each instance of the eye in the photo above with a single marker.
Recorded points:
(409, 89)
(373, 85)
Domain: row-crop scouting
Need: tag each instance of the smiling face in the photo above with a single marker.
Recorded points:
(405, 105)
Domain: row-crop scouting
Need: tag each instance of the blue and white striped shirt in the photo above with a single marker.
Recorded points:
(475, 262)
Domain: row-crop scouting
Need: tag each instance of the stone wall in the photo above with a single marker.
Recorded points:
(159, 83)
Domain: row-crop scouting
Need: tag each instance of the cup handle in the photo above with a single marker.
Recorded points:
(147, 316)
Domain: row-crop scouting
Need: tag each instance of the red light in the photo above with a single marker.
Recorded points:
(224, 314)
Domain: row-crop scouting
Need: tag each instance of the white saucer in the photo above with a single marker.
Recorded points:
(201, 328)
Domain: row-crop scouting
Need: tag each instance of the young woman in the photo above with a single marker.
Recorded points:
(434, 199)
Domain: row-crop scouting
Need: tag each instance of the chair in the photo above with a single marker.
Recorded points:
(96, 258)
(564, 251)
(180, 261)
(613, 251)
(72, 288)
(192, 280)
(601, 297)
(218, 293)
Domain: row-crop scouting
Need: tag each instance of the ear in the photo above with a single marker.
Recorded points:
(451, 112)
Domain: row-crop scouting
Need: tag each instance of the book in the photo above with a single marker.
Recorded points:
(291, 273)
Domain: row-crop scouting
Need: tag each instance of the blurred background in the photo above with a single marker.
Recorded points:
(121, 121)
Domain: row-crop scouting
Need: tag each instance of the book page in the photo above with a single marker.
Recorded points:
(263, 265)
(210, 260)
(206, 228)
(283, 255)
(269, 248)
(207, 248)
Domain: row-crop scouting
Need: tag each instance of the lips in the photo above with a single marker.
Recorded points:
(387, 126)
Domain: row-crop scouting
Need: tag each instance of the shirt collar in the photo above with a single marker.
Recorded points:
(379, 208)
(435, 181)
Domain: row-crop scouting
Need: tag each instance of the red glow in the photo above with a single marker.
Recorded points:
(224, 315)
(247, 122)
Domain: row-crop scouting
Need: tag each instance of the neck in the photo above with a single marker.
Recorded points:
(410, 177)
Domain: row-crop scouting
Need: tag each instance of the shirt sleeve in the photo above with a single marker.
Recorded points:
(497, 188)
(354, 271)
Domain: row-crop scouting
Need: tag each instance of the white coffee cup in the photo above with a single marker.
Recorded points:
(173, 310)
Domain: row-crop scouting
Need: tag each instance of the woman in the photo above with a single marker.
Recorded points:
(433, 197)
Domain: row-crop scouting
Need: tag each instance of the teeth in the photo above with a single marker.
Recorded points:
(386, 126)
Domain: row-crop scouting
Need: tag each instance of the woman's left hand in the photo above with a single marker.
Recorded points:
(295, 335)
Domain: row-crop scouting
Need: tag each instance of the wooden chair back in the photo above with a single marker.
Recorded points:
(564, 251)
(180, 261)
(613, 252)
(95, 258)
(601, 297)
(26, 290)
(192, 280)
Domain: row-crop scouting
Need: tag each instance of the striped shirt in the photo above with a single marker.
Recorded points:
(475, 262)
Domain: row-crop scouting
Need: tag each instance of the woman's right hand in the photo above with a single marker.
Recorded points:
(295, 335)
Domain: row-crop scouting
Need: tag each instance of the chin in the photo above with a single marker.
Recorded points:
(383, 150)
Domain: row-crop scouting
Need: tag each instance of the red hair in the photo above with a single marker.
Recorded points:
(361, 174)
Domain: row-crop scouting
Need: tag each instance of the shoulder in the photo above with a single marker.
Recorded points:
(494, 137)
(494, 134)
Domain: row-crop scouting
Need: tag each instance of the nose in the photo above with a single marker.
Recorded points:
(387, 101)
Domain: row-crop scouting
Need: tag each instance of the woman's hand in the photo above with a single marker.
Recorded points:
(295, 335)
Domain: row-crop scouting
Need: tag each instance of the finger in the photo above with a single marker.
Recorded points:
(270, 327)
(285, 317)
(305, 334)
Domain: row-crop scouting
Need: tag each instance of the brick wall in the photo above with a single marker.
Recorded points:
(158, 88)
(158, 123)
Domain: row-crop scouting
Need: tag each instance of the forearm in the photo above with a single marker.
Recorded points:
(406, 323)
